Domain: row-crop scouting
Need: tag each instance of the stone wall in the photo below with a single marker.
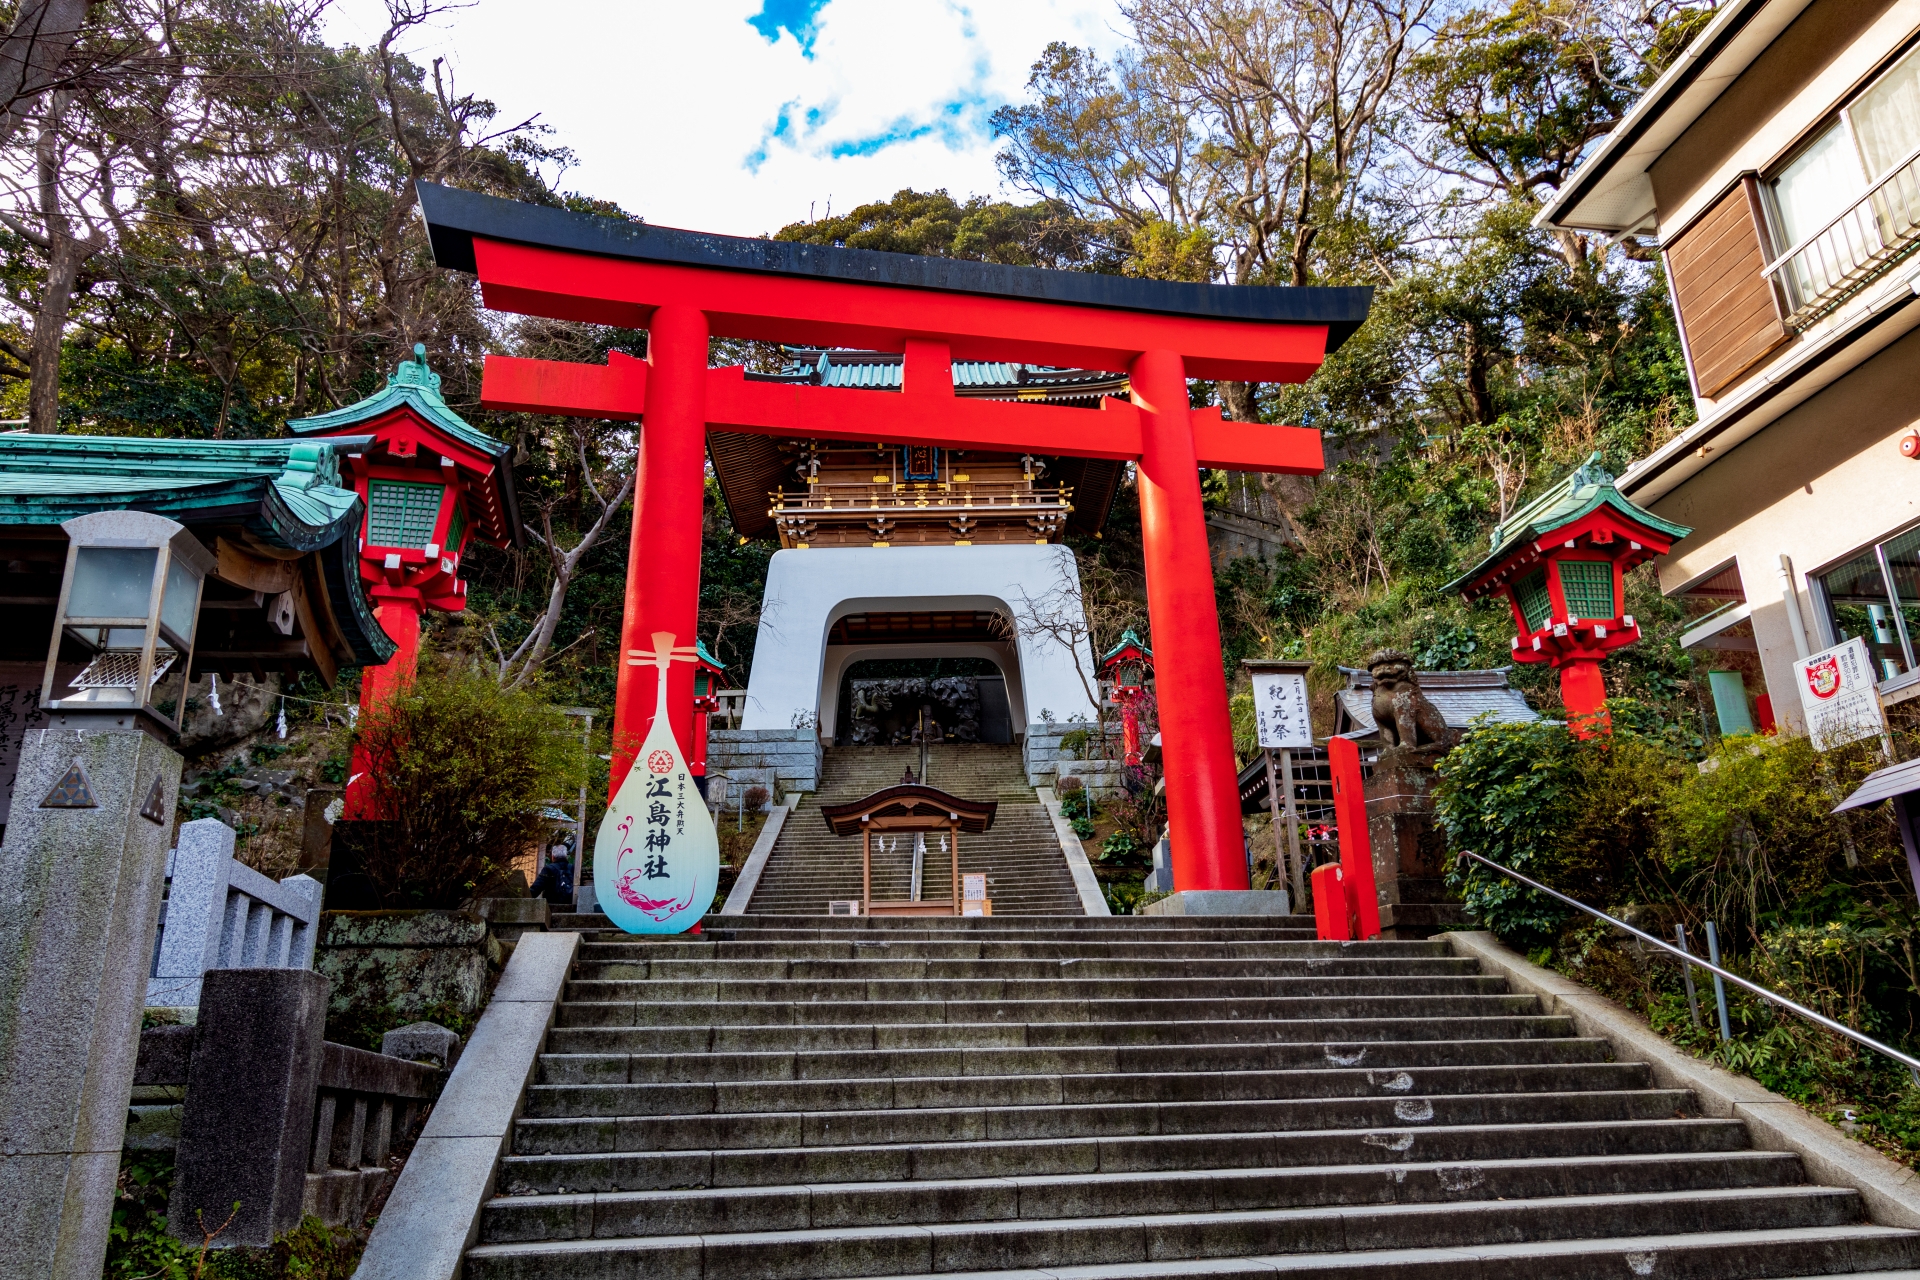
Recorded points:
(784, 760)
(1047, 760)
(392, 967)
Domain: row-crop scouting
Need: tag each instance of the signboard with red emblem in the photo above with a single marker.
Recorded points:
(656, 862)
(1839, 695)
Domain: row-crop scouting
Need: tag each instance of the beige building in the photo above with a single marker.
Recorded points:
(1778, 166)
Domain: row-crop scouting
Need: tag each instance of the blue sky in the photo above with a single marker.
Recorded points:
(743, 115)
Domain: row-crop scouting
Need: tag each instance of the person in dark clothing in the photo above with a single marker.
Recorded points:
(555, 881)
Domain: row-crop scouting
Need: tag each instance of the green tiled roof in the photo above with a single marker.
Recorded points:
(882, 371)
(1587, 488)
(418, 388)
(287, 491)
(1126, 638)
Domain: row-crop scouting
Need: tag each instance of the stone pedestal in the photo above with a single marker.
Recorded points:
(80, 887)
(1409, 849)
(1221, 902)
(251, 1088)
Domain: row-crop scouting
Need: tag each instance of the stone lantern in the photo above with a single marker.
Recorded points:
(1561, 563)
(1127, 665)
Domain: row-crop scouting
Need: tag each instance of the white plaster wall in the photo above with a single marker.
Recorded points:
(1820, 484)
(807, 591)
(841, 656)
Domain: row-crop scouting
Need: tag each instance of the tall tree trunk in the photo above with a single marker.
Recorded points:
(49, 326)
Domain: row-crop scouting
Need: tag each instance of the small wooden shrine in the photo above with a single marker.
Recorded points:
(909, 809)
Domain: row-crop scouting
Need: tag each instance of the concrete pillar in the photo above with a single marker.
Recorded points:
(250, 1099)
(80, 885)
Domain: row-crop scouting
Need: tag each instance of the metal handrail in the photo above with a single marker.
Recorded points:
(1842, 279)
(1911, 1064)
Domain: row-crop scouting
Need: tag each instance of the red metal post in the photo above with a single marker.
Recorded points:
(1332, 921)
(1203, 800)
(663, 569)
(1356, 844)
(399, 617)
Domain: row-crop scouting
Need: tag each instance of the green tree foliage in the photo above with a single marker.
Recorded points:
(934, 224)
(462, 768)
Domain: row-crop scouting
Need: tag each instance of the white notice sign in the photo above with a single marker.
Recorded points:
(1281, 711)
(1838, 694)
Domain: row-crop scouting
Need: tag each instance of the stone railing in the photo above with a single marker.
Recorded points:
(259, 1108)
(222, 914)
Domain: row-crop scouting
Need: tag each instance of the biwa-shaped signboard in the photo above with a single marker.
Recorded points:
(656, 862)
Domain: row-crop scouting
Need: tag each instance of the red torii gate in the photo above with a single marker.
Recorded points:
(687, 287)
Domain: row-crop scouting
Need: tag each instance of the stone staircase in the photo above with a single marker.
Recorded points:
(1099, 1097)
(1026, 871)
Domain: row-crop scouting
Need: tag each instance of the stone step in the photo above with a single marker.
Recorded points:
(1017, 991)
(1287, 945)
(866, 964)
(910, 1162)
(888, 1125)
(1082, 1098)
(619, 1098)
(800, 1010)
(951, 1247)
(732, 1038)
(525, 1214)
(1194, 1059)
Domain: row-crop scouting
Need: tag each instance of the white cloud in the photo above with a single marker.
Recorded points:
(676, 108)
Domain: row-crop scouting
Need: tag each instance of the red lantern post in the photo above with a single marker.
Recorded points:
(709, 677)
(1561, 562)
(1127, 664)
(429, 482)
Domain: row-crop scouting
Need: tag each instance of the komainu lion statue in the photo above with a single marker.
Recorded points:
(1405, 716)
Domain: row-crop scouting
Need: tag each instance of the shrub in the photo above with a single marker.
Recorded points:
(1566, 811)
(753, 798)
(462, 768)
(1069, 785)
(1082, 827)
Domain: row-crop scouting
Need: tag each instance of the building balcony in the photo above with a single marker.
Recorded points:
(1864, 243)
(959, 513)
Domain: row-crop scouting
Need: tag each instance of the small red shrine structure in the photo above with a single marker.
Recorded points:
(430, 482)
(1561, 562)
(686, 288)
(1127, 665)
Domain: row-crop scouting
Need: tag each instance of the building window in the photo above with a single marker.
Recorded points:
(1847, 205)
(1875, 595)
(1719, 635)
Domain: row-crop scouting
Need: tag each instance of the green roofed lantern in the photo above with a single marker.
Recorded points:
(1561, 562)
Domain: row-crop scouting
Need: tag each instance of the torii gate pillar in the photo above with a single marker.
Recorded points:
(663, 563)
(1203, 800)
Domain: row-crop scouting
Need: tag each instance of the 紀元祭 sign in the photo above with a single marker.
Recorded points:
(1839, 695)
(1281, 710)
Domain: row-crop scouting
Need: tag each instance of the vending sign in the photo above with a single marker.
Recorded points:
(1281, 710)
(1839, 695)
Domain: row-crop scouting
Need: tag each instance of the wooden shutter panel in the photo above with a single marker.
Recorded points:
(1727, 309)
